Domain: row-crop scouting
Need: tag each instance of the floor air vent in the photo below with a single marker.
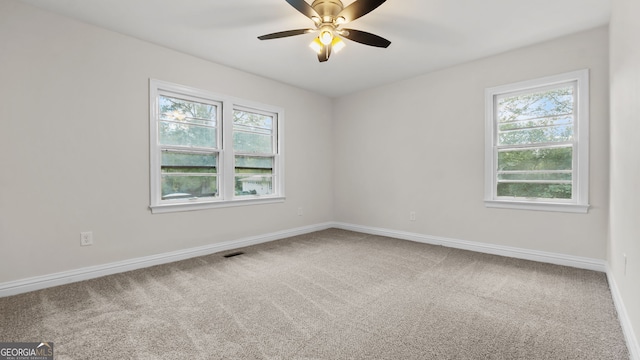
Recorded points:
(234, 254)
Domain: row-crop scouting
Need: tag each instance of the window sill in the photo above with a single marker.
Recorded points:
(537, 206)
(176, 207)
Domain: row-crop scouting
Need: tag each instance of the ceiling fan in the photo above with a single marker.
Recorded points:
(329, 16)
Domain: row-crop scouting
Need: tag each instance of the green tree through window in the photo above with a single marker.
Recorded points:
(535, 131)
(210, 150)
(189, 168)
(253, 141)
(537, 151)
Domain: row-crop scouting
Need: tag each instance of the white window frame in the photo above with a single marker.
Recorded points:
(580, 175)
(226, 155)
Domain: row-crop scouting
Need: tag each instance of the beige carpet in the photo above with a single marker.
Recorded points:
(327, 295)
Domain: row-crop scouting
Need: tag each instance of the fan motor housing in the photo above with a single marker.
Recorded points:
(327, 7)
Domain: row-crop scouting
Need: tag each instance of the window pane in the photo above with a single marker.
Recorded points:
(187, 123)
(529, 132)
(186, 111)
(536, 117)
(252, 143)
(521, 173)
(254, 175)
(524, 124)
(540, 176)
(246, 163)
(185, 186)
(535, 190)
(172, 133)
(537, 104)
(254, 184)
(559, 158)
(186, 175)
(178, 159)
(252, 132)
(249, 121)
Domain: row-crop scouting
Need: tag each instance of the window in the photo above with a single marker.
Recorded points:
(210, 150)
(536, 144)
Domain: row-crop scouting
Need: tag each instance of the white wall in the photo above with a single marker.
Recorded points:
(74, 148)
(625, 164)
(418, 145)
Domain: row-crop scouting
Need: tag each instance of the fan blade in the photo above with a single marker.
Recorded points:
(282, 34)
(325, 53)
(366, 38)
(359, 8)
(304, 8)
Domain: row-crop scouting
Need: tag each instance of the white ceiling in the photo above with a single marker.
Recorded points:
(425, 35)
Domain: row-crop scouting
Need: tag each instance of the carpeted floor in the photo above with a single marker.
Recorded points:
(332, 294)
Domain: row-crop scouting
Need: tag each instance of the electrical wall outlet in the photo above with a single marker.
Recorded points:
(86, 238)
(300, 212)
(412, 216)
(624, 257)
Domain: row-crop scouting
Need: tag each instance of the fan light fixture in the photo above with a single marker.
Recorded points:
(326, 36)
(336, 45)
(328, 17)
(316, 45)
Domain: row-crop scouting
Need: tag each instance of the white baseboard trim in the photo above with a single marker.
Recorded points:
(519, 253)
(66, 277)
(91, 272)
(627, 328)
